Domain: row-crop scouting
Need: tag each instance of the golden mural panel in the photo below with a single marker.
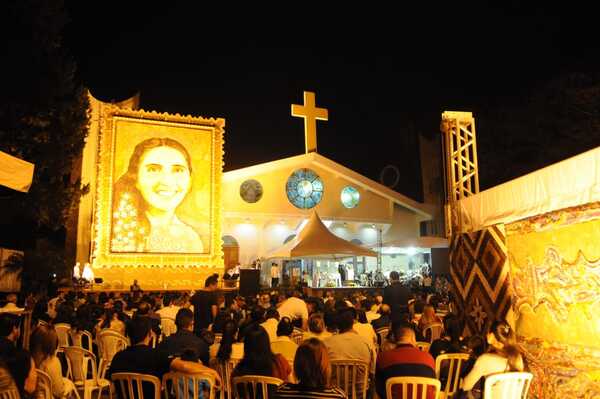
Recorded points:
(158, 192)
(555, 268)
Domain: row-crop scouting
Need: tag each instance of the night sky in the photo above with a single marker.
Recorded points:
(385, 74)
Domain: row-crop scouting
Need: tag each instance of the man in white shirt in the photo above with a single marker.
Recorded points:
(169, 309)
(270, 324)
(274, 275)
(294, 308)
(53, 304)
(11, 304)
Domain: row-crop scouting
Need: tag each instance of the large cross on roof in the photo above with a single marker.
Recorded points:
(311, 114)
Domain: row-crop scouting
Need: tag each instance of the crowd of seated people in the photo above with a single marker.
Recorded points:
(278, 334)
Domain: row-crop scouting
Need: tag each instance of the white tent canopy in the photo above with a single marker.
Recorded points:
(316, 241)
(15, 173)
(574, 181)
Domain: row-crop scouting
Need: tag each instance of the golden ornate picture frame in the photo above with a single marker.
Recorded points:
(104, 258)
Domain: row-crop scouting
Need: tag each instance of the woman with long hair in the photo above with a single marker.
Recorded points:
(428, 318)
(43, 343)
(503, 355)
(147, 196)
(313, 371)
(451, 341)
(259, 359)
(228, 348)
(111, 321)
(316, 327)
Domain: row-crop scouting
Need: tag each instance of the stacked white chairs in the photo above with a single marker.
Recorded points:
(62, 332)
(168, 327)
(225, 369)
(77, 339)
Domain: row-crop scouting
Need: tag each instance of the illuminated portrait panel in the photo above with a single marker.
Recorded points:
(159, 182)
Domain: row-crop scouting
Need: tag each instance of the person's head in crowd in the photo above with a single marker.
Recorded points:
(429, 314)
(311, 365)
(64, 313)
(345, 320)
(109, 316)
(340, 304)
(330, 319)
(453, 327)
(285, 328)
(190, 355)
(184, 320)
(265, 300)
(272, 313)
(219, 322)
(143, 309)
(404, 333)
(475, 345)
(167, 299)
(502, 339)
(394, 277)
(257, 315)
(316, 324)
(43, 343)
(313, 305)
(11, 298)
(366, 304)
(258, 358)
(139, 330)
(230, 330)
(361, 316)
(103, 298)
(22, 368)
(385, 309)
(9, 326)
(212, 282)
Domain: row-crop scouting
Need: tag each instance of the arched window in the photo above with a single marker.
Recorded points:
(230, 241)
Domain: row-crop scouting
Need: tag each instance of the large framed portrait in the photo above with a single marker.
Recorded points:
(158, 190)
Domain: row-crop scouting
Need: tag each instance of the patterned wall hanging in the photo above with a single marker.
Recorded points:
(480, 275)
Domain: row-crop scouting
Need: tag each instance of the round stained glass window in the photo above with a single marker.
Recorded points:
(304, 188)
(350, 197)
(251, 191)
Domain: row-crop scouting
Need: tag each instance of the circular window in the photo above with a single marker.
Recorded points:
(350, 197)
(251, 191)
(304, 188)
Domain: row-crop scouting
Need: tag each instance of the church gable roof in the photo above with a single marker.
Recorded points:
(313, 158)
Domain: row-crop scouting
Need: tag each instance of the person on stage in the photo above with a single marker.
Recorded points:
(342, 271)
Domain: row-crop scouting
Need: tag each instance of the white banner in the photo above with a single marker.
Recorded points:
(15, 173)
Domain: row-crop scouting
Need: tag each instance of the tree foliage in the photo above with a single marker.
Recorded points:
(43, 115)
(554, 121)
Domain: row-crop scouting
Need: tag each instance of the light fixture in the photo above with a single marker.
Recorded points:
(410, 251)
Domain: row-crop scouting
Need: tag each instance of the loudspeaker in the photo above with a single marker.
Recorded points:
(249, 282)
(98, 280)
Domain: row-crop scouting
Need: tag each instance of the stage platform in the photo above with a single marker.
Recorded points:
(320, 291)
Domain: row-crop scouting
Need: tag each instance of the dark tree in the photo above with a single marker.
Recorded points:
(556, 120)
(43, 119)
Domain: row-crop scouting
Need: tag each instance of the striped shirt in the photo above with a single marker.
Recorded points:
(295, 391)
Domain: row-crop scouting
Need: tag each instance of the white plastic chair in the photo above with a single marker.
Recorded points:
(77, 339)
(382, 334)
(251, 385)
(351, 376)
(298, 335)
(423, 346)
(167, 326)
(11, 393)
(456, 361)
(81, 363)
(181, 385)
(225, 369)
(433, 332)
(412, 385)
(511, 385)
(130, 385)
(62, 332)
(109, 343)
(44, 385)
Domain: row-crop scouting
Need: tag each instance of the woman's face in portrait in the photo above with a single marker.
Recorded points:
(163, 178)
